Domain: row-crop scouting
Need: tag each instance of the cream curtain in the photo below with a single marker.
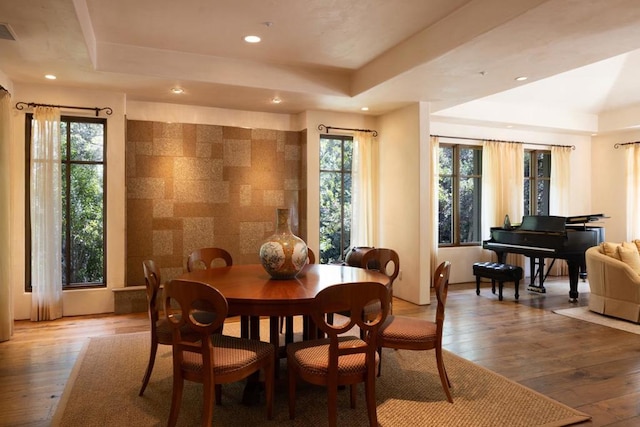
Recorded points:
(502, 187)
(560, 180)
(632, 154)
(46, 215)
(559, 193)
(502, 183)
(6, 302)
(363, 196)
(434, 188)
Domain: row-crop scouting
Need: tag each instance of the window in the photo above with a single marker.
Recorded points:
(537, 182)
(335, 196)
(460, 194)
(82, 146)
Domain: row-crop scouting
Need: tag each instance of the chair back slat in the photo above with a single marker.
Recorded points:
(207, 258)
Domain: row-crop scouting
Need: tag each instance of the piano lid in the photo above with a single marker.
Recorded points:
(581, 219)
(554, 224)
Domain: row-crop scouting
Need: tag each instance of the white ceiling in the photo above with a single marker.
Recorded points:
(338, 55)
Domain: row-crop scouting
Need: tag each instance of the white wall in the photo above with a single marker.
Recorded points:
(404, 198)
(81, 301)
(609, 182)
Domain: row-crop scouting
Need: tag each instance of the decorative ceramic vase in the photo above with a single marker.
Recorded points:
(284, 254)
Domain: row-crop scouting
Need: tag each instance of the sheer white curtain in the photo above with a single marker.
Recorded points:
(435, 202)
(632, 154)
(502, 186)
(560, 180)
(6, 302)
(559, 192)
(363, 196)
(46, 215)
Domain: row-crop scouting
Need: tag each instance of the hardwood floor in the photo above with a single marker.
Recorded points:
(590, 367)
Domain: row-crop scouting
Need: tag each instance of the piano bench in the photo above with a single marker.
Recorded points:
(497, 272)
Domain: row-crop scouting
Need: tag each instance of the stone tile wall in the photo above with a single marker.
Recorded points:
(191, 186)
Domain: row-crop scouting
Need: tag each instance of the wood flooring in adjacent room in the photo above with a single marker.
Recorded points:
(590, 367)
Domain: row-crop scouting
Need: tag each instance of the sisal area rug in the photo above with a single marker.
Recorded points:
(103, 391)
(583, 313)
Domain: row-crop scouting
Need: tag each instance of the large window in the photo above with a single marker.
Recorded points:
(537, 182)
(459, 195)
(82, 146)
(335, 196)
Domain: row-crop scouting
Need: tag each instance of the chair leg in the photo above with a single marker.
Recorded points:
(269, 381)
(444, 378)
(176, 401)
(218, 394)
(379, 361)
(152, 360)
(292, 393)
(332, 404)
(370, 396)
(208, 396)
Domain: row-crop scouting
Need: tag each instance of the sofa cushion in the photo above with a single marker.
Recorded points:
(610, 249)
(629, 254)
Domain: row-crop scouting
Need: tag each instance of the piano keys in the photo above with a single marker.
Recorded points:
(556, 237)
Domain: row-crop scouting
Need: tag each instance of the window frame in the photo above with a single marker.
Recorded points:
(66, 162)
(456, 178)
(343, 172)
(534, 178)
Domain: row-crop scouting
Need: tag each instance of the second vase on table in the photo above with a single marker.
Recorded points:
(284, 254)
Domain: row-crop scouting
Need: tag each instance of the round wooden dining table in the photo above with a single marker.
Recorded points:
(250, 291)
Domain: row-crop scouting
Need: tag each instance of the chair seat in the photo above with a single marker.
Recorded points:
(312, 356)
(407, 332)
(231, 354)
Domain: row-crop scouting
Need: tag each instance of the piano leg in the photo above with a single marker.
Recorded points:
(583, 270)
(537, 270)
(574, 269)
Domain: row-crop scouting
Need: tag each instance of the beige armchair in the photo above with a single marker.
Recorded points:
(615, 286)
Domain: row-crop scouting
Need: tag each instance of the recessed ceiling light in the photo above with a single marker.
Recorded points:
(276, 100)
(177, 90)
(521, 78)
(50, 76)
(365, 109)
(252, 39)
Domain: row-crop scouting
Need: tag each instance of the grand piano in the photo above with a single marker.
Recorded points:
(555, 237)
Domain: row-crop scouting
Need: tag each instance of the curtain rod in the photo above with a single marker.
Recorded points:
(573, 147)
(23, 105)
(328, 129)
(620, 144)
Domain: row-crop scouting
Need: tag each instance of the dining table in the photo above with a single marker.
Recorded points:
(252, 293)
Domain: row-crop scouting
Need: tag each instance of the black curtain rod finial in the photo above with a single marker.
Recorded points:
(620, 144)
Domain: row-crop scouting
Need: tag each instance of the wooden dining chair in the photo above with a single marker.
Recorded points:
(340, 359)
(385, 261)
(160, 330)
(214, 358)
(409, 333)
(206, 258)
